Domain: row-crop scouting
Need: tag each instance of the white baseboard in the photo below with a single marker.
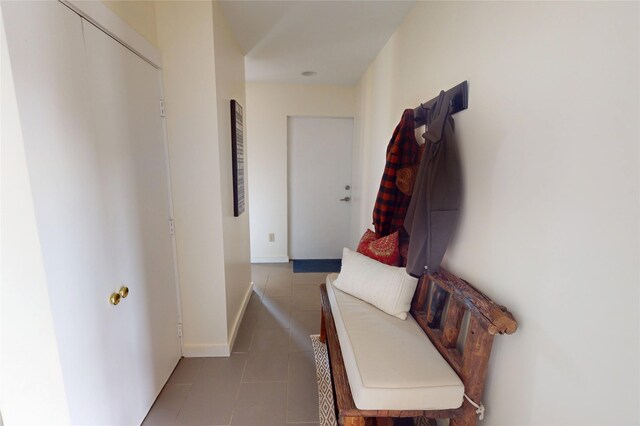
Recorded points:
(218, 350)
(238, 319)
(209, 350)
(275, 259)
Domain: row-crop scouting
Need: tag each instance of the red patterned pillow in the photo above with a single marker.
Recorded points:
(383, 249)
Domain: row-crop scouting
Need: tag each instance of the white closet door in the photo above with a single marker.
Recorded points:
(48, 60)
(126, 93)
(94, 143)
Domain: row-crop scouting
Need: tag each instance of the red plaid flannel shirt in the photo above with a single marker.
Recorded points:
(391, 204)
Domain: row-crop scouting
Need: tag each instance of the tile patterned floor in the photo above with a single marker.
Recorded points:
(270, 377)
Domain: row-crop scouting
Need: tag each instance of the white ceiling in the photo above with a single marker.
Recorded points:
(337, 39)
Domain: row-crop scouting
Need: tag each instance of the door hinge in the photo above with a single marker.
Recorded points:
(162, 114)
(179, 329)
(171, 227)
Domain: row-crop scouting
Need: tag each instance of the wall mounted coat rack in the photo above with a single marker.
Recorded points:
(459, 96)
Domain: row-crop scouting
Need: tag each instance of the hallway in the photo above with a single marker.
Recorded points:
(270, 377)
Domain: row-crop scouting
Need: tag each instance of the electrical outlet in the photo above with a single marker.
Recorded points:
(272, 237)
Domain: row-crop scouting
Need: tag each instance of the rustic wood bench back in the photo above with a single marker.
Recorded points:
(439, 305)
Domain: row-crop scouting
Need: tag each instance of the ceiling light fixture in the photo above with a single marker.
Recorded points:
(309, 73)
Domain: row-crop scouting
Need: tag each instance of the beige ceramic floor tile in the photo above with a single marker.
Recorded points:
(260, 289)
(275, 303)
(278, 288)
(302, 404)
(244, 336)
(303, 324)
(261, 404)
(207, 405)
(186, 371)
(223, 369)
(313, 278)
(253, 311)
(215, 391)
(275, 313)
(259, 274)
(270, 339)
(167, 406)
(278, 266)
(267, 367)
(268, 267)
(255, 301)
(306, 321)
(306, 298)
(273, 319)
(280, 275)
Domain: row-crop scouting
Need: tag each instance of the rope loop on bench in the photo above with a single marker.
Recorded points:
(479, 408)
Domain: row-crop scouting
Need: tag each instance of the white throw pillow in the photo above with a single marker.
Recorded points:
(388, 288)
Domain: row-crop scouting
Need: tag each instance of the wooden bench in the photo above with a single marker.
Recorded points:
(439, 305)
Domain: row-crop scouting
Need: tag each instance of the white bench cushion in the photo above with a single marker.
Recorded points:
(391, 364)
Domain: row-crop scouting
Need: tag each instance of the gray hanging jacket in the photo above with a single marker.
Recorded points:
(435, 204)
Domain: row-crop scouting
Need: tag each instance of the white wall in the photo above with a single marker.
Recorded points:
(230, 85)
(203, 70)
(139, 14)
(31, 384)
(268, 106)
(186, 39)
(550, 216)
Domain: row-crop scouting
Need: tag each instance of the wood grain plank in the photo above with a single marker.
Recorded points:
(353, 421)
(452, 323)
(475, 361)
(451, 355)
(497, 318)
(420, 295)
(323, 330)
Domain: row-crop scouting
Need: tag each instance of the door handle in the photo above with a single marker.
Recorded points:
(345, 199)
(114, 299)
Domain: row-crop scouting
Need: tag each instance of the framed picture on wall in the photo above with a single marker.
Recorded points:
(237, 157)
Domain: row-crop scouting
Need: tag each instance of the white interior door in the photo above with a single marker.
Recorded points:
(94, 144)
(126, 93)
(48, 61)
(319, 151)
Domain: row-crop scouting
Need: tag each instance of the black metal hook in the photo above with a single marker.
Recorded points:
(459, 96)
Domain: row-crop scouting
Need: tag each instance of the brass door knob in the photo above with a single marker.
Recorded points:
(124, 291)
(114, 298)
